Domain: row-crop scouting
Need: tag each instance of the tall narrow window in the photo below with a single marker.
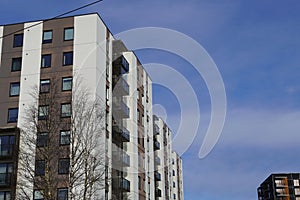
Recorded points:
(16, 64)
(46, 61)
(18, 40)
(47, 37)
(43, 112)
(38, 195)
(42, 139)
(68, 34)
(40, 166)
(67, 58)
(14, 89)
(12, 115)
(66, 83)
(65, 137)
(45, 86)
(66, 110)
(63, 165)
(62, 194)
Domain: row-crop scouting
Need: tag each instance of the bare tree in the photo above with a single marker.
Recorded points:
(82, 118)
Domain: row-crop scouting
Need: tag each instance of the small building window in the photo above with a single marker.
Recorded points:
(16, 64)
(18, 40)
(63, 166)
(67, 58)
(14, 89)
(5, 195)
(65, 137)
(12, 115)
(174, 185)
(7, 144)
(66, 110)
(47, 37)
(68, 34)
(42, 139)
(67, 83)
(43, 112)
(45, 86)
(46, 61)
(40, 166)
(62, 194)
(38, 195)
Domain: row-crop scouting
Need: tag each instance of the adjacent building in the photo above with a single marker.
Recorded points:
(50, 56)
(280, 187)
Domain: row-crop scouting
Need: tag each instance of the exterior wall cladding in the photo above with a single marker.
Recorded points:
(280, 187)
(140, 163)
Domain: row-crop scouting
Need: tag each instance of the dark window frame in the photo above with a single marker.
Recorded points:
(45, 116)
(60, 138)
(18, 42)
(42, 139)
(62, 83)
(61, 110)
(46, 64)
(10, 87)
(8, 115)
(63, 169)
(12, 64)
(35, 192)
(39, 170)
(68, 28)
(63, 189)
(44, 86)
(66, 60)
(47, 41)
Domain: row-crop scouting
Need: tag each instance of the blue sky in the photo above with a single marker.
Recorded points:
(255, 45)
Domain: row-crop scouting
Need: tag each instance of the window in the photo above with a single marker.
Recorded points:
(68, 34)
(5, 174)
(297, 191)
(67, 58)
(12, 115)
(174, 196)
(296, 182)
(38, 195)
(5, 195)
(47, 37)
(42, 139)
(174, 185)
(46, 61)
(62, 194)
(63, 165)
(67, 84)
(173, 172)
(45, 86)
(16, 64)
(66, 110)
(65, 137)
(40, 166)
(14, 89)
(7, 145)
(18, 40)
(139, 182)
(43, 112)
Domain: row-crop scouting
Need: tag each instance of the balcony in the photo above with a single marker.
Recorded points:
(157, 176)
(121, 133)
(121, 159)
(120, 66)
(6, 150)
(5, 179)
(157, 192)
(120, 87)
(120, 110)
(125, 185)
(156, 145)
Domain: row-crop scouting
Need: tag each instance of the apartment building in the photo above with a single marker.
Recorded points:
(280, 187)
(168, 165)
(50, 60)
